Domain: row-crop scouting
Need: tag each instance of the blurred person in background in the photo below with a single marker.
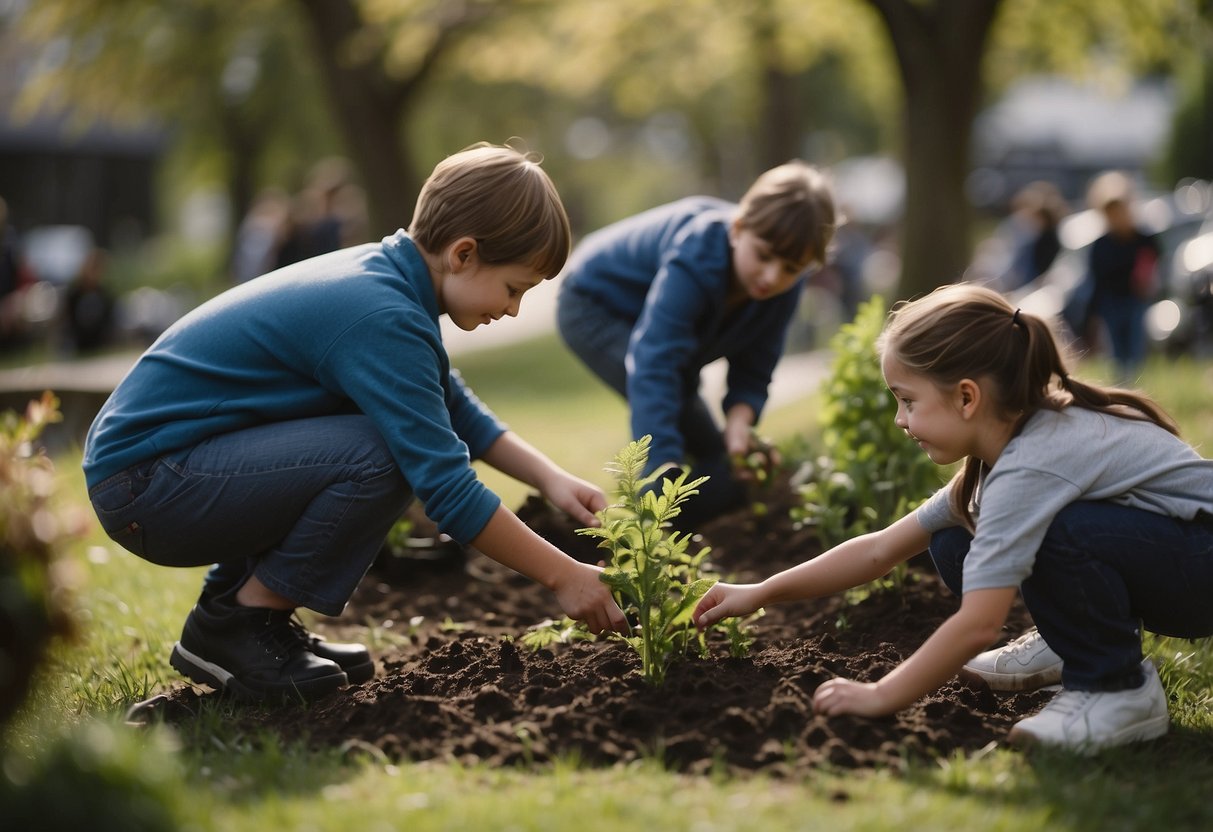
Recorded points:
(89, 305)
(1039, 208)
(261, 234)
(1123, 268)
(12, 278)
(328, 214)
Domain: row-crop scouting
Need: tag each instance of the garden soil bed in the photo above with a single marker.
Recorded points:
(456, 683)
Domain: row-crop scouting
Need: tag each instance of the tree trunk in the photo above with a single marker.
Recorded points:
(781, 114)
(781, 119)
(371, 109)
(939, 48)
(244, 147)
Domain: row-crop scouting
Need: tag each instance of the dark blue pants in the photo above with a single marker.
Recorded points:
(304, 505)
(1103, 573)
(1125, 320)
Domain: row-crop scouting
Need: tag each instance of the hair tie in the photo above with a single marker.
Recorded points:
(1015, 318)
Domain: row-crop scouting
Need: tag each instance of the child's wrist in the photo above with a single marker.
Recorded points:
(559, 574)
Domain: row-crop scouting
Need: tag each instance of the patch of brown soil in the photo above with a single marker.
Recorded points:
(456, 684)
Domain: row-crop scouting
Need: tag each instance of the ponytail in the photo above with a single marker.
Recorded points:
(1116, 401)
(966, 331)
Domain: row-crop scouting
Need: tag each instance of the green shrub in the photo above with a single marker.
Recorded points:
(870, 473)
(97, 776)
(31, 606)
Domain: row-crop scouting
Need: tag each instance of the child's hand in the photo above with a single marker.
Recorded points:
(575, 497)
(753, 458)
(738, 437)
(726, 601)
(585, 598)
(844, 696)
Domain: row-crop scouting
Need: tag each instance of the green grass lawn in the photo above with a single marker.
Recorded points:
(70, 762)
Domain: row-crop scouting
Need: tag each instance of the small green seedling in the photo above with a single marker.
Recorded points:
(739, 634)
(549, 632)
(758, 467)
(760, 461)
(654, 578)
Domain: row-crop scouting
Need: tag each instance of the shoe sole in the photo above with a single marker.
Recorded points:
(1147, 729)
(1013, 681)
(356, 672)
(208, 673)
(359, 673)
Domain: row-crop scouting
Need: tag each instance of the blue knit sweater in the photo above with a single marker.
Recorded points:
(354, 331)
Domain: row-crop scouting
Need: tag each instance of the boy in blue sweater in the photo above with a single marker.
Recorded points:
(647, 302)
(279, 430)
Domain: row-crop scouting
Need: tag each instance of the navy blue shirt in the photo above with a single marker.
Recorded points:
(668, 271)
(1114, 260)
(347, 332)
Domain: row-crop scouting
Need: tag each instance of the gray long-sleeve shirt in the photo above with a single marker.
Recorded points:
(1061, 457)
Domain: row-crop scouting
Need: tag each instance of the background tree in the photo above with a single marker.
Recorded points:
(695, 96)
(945, 48)
(376, 59)
(748, 85)
(1190, 151)
(939, 47)
(223, 79)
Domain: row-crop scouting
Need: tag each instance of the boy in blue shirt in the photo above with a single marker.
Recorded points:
(650, 300)
(279, 430)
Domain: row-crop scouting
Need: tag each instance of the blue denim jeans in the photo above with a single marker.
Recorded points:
(600, 340)
(1104, 572)
(304, 505)
(1125, 320)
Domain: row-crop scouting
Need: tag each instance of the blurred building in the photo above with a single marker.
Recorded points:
(55, 170)
(1065, 132)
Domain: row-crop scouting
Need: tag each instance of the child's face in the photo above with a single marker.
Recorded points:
(760, 271)
(930, 416)
(479, 293)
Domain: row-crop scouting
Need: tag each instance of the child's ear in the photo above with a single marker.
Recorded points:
(735, 228)
(460, 253)
(968, 396)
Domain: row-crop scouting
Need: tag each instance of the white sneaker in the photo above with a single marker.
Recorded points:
(1026, 663)
(1086, 721)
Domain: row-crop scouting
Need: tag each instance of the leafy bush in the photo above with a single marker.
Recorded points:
(870, 474)
(97, 776)
(31, 610)
(651, 572)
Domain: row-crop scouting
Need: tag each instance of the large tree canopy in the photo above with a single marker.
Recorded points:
(249, 76)
(225, 79)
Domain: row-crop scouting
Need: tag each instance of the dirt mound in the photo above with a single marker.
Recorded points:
(457, 684)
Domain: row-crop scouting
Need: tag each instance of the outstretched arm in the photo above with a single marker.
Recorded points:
(855, 562)
(507, 540)
(512, 455)
(974, 627)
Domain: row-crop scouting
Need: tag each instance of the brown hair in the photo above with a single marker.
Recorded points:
(500, 197)
(791, 207)
(964, 331)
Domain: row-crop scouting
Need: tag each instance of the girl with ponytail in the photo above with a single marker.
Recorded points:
(1080, 497)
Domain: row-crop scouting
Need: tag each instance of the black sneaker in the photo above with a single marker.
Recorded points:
(253, 653)
(354, 659)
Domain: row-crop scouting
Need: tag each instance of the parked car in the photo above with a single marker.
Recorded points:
(1064, 291)
(1183, 320)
